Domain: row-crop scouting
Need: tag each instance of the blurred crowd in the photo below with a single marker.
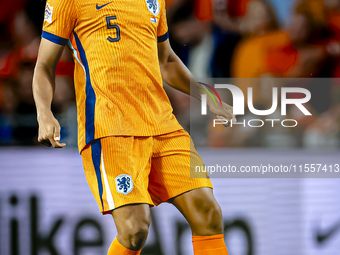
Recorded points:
(215, 38)
(20, 31)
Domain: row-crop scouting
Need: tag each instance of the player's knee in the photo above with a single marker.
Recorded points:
(209, 220)
(135, 235)
(215, 219)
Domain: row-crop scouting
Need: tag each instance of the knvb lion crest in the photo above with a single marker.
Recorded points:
(124, 184)
(153, 6)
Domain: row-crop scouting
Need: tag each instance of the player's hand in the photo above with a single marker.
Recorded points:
(49, 131)
(223, 112)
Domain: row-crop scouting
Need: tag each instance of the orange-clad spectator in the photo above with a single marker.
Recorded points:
(251, 55)
(297, 53)
(261, 24)
(306, 52)
(249, 60)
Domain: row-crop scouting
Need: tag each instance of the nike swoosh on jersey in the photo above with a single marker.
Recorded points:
(99, 7)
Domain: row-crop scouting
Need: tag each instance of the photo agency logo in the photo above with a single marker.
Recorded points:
(239, 105)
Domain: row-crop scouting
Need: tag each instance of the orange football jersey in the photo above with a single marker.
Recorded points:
(118, 82)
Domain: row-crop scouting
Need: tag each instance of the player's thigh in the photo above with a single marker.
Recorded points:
(201, 210)
(174, 165)
(195, 202)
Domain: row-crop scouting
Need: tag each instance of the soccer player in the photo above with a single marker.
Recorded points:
(135, 154)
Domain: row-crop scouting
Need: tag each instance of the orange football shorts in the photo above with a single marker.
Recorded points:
(122, 170)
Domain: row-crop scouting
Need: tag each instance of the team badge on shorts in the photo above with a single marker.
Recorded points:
(124, 184)
(153, 6)
(48, 13)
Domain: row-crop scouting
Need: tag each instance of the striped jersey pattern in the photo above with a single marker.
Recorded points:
(118, 82)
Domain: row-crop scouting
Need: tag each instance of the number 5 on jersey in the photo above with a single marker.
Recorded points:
(115, 26)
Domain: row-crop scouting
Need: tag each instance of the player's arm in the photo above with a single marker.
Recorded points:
(178, 76)
(43, 90)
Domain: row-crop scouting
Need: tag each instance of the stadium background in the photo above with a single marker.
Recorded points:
(45, 204)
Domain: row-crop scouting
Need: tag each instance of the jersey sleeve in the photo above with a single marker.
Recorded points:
(60, 17)
(162, 29)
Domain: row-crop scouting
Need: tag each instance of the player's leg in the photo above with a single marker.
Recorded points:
(174, 178)
(117, 171)
(132, 223)
(204, 216)
(201, 210)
